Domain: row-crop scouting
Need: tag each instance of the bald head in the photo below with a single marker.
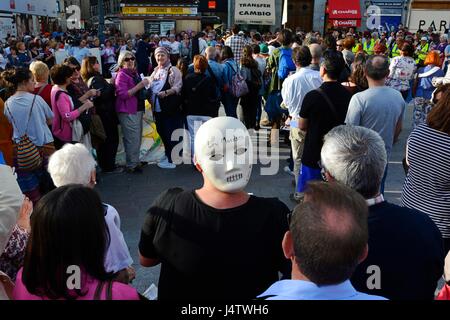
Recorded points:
(211, 53)
(377, 67)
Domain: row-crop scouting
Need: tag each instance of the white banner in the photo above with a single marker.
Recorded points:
(260, 12)
(7, 26)
(439, 20)
(35, 7)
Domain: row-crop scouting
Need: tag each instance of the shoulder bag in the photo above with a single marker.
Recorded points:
(170, 105)
(28, 155)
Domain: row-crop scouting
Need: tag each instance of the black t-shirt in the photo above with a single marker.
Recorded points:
(199, 96)
(407, 247)
(210, 254)
(321, 118)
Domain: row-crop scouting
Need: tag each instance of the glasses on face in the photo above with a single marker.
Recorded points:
(129, 59)
(76, 69)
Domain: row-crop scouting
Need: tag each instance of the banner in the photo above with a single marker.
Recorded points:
(159, 11)
(261, 12)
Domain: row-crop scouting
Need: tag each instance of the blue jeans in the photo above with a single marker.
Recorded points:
(230, 103)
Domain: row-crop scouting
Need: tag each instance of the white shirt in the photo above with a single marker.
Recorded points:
(117, 256)
(175, 47)
(202, 45)
(295, 88)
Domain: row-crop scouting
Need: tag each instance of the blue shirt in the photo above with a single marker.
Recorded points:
(306, 290)
(2, 160)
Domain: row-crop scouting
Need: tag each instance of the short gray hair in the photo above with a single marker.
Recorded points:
(73, 163)
(124, 54)
(356, 157)
(316, 50)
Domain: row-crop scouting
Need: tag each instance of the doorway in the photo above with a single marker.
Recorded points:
(300, 14)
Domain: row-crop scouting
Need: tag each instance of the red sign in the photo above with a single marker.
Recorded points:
(211, 4)
(344, 9)
(346, 23)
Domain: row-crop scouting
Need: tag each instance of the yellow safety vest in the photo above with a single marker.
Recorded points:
(369, 50)
(355, 49)
(395, 51)
(423, 53)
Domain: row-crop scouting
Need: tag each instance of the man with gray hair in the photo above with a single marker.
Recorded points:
(379, 108)
(406, 255)
(316, 53)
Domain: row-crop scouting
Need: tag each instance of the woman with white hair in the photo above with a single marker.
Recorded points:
(130, 106)
(73, 164)
(165, 84)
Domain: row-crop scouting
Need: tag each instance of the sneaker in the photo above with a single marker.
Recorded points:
(297, 197)
(166, 165)
(289, 171)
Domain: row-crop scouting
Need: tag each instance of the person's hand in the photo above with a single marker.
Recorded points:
(145, 82)
(162, 94)
(131, 273)
(24, 214)
(92, 93)
(88, 104)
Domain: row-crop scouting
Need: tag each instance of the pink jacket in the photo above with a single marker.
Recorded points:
(119, 290)
(124, 82)
(63, 115)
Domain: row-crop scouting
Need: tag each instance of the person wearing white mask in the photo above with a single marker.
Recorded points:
(216, 242)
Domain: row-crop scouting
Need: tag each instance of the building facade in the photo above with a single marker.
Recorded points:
(429, 14)
(159, 17)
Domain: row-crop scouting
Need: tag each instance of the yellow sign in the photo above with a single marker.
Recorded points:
(159, 11)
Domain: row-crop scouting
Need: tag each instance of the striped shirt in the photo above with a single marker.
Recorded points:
(427, 185)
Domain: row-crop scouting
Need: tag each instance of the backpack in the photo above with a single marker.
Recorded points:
(28, 155)
(238, 87)
(286, 63)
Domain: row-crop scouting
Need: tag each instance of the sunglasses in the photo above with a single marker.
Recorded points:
(129, 59)
(76, 68)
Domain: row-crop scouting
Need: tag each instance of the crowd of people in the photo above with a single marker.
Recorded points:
(340, 99)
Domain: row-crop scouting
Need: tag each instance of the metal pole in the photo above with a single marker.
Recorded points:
(229, 14)
(101, 20)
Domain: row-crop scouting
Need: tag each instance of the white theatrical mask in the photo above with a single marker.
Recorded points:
(224, 151)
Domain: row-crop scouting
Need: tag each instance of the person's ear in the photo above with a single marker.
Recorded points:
(329, 177)
(93, 179)
(288, 246)
(197, 165)
(364, 254)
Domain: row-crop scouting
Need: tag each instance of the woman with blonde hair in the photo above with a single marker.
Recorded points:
(130, 106)
(42, 88)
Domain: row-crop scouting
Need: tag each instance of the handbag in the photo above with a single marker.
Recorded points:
(28, 156)
(170, 105)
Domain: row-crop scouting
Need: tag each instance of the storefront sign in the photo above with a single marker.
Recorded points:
(34, 7)
(152, 27)
(344, 9)
(346, 23)
(159, 11)
(261, 12)
(439, 20)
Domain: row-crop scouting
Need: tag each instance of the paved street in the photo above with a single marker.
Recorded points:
(132, 194)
